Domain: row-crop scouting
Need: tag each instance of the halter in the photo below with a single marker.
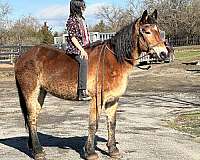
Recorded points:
(148, 46)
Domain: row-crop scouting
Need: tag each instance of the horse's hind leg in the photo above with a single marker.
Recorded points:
(111, 109)
(41, 97)
(94, 115)
(35, 102)
(33, 98)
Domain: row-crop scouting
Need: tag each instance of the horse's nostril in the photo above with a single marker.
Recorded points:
(163, 55)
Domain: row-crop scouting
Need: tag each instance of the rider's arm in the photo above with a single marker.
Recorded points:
(77, 44)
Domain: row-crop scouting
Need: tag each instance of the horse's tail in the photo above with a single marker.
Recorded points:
(22, 103)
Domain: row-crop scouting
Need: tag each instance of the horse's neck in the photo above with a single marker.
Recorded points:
(105, 52)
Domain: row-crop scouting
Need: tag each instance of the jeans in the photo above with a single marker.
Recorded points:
(83, 69)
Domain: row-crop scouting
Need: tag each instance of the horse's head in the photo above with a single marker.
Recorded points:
(149, 39)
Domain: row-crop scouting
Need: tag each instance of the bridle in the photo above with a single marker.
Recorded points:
(148, 46)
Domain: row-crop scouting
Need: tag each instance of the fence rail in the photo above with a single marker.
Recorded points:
(8, 53)
(187, 41)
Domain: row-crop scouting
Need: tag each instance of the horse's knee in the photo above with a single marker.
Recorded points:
(111, 102)
(111, 109)
(93, 128)
(34, 109)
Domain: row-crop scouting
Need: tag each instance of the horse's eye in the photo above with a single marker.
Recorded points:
(143, 30)
(148, 32)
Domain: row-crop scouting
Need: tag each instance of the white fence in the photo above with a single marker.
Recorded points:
(8, 53)
(94, 36)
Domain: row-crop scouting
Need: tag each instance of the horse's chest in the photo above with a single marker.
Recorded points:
(119, 86)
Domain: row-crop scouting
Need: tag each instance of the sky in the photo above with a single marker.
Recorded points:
(56, 12)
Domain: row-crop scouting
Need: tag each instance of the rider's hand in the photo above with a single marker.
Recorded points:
(84, 54)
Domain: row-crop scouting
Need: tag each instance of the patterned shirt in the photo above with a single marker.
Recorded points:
(76, 28)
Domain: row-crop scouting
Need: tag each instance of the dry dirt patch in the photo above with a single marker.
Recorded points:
(153, 98)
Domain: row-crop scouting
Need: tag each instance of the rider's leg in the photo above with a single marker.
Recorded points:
(82, 78)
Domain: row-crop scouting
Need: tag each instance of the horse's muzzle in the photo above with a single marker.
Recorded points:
(163, 56)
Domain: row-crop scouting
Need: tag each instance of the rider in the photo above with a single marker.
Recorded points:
(77, 39)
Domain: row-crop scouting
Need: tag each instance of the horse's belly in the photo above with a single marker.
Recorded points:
(61, 89)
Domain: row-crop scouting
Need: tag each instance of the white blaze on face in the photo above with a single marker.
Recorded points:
(155, 27)
(160, 49)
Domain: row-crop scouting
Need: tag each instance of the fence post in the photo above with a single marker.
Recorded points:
(11, 59)
(20, 48)
(193, 40)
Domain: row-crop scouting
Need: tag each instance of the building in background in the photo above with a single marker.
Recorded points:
(94, 36)
(60, 39)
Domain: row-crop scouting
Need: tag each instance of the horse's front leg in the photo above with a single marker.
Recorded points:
(94, 115)
(111, 109)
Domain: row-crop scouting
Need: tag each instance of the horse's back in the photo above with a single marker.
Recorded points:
(50, 68)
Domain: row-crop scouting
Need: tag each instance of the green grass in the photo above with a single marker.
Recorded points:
(187, 55)
(189, 123)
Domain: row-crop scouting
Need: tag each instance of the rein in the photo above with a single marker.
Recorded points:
(97, 76)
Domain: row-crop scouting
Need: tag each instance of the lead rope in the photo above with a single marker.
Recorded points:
(97, 72)
(103, 78)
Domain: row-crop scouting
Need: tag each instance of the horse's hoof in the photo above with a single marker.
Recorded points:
(115, 154)
(40, 156)
(93, 156)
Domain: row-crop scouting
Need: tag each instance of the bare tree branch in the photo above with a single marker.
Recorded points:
(114, 17)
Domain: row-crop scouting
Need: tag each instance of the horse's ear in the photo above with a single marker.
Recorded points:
(144, 16)
(155, 14)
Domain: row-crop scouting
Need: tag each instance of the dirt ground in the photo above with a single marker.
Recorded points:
(152, 98)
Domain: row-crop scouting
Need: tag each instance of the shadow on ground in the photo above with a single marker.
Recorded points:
(74, 143)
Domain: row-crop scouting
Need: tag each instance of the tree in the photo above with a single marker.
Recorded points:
(135, 8)
(114, 17)
(100, 27)
(56, 34)
(178, 18)
(25, 31)
(5, 10)
(194, 17)
(46, 34)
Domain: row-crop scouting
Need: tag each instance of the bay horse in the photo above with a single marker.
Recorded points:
(45, 69)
